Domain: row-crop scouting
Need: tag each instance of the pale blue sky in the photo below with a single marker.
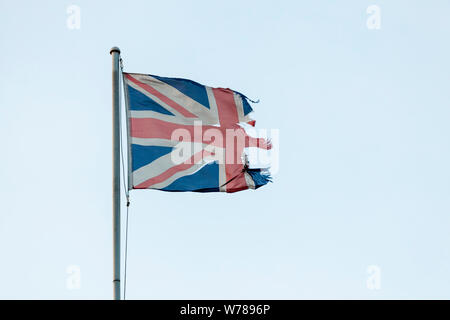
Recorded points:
(364, 173)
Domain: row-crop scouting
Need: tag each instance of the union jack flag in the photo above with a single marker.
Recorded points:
(159, 107)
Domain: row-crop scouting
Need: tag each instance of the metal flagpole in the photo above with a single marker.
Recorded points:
(115, 52)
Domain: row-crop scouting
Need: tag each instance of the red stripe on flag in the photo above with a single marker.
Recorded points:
(236, 178)
(228, 117)
(155, 128)
(226, 107)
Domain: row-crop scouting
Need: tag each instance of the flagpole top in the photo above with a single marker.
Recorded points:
(114, 49)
